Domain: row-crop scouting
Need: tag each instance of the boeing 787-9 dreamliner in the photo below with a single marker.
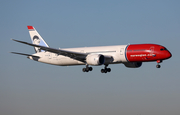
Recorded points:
(131, 55)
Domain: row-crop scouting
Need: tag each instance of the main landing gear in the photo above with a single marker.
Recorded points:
(87, 69)
(105, 70)
(158, 61)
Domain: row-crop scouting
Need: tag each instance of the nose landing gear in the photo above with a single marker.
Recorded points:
(158, 61)
(158, 66)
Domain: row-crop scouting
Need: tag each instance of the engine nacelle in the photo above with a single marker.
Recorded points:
(133, 64)
(95, 59)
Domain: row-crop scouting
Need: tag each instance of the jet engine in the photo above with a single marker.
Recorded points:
(133, 64)
(95, 59)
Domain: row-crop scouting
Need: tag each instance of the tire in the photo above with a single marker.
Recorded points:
(84, 69)
(102, 70)
(108, 69)
(90, 68)
(158, 66)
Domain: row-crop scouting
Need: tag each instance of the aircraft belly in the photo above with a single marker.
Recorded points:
(68, 61)
(65, 61)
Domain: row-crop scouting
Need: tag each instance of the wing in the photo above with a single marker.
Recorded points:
(71, 54)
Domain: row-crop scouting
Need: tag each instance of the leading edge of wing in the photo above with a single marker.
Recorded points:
(75, 55)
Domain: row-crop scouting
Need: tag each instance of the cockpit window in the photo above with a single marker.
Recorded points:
(163, 49)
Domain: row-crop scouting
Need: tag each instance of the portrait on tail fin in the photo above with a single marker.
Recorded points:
(36, 39)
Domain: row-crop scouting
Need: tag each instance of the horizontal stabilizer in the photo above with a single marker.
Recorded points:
(25, 54)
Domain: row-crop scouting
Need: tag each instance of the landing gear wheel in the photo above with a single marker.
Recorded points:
(105, 70)
(108, 69)
(90, 68)
(158, 66)
(102, 70)
(84, 69)
(87, 69)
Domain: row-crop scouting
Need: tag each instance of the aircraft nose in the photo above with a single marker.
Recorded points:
(168, 55)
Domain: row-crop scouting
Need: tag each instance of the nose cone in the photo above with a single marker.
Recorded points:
(168, 55)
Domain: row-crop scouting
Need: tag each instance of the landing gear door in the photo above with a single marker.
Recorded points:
(122, 54)
(122, 51)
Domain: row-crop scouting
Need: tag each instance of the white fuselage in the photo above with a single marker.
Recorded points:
(117, 53)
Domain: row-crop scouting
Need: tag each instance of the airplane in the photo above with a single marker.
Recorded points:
(131, 55)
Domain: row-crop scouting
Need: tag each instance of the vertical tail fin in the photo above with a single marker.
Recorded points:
(36, 38)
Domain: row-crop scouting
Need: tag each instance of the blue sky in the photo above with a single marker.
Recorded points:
(28, 87)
